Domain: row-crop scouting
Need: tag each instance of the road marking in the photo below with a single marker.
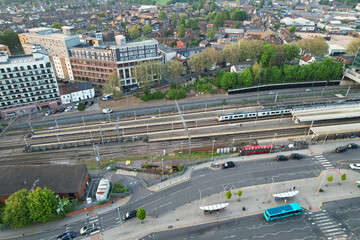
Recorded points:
(93, 233)
(323, 224)
(318, 214)
(330, 226)
(332, 230)
(334, 234)
(321, 217)
(319, 156)
(94, 217)
(94, 221)
(324, 161)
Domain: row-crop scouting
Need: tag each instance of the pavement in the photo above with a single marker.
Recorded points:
(254, 200)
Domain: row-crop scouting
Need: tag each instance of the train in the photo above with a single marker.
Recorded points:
(264, 113)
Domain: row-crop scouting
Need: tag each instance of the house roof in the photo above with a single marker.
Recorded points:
(60, 178)
(74, 87)
(306, 58)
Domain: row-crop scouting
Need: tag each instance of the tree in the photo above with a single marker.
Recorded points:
(239, 16)
(16, 213)
(197, 63)
(211, 56)
(141, 214)
(189, 23)
(330, 178)
(256, 72)
(343, 177)
(315, 46)
(226, 14)
(219, 20)
(10, 39)
(91, 28)
(228, 80)
(147, 29)
(228, 194)
(276, 26)
(42, 204)
(81, 106)
(212, 7)
(174, 19)
(249, 49)
(78, 32)
(112, 84)
(246, 78)
(353, 46)
(183, 18)
(181, 31)
(174, 68)
(292, 29)
(268, 55)
(134, 32)
(292, 52)
(57, 25)
(162, 15)
(262, 2)
(210, 35)
(239, 193)
(269, 3)
(100, 20)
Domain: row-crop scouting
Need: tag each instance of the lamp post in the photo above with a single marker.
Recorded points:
(270, 189)
(212, 151)
(317, 192)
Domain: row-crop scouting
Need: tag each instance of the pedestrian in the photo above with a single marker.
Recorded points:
(294, 188)
(289, 189)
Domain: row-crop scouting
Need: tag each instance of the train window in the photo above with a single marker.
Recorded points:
(226, 117)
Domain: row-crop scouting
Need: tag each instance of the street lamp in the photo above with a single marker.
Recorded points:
(212, 151)
(270, 189)
(317, 192)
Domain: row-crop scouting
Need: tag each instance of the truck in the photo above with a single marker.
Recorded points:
(107, 97)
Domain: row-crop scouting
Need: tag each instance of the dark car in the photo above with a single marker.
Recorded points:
(67, 236)
(62, 109)
(281, 158)
(295, 156)
(91, 103)
(340, 149)
(352, 146)
(86, 103)
(229, 164)
(130, 215)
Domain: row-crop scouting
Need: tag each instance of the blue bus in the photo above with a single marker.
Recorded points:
(282, 211)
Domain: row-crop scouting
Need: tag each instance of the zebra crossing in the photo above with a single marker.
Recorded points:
(323, 161)
(327, 225)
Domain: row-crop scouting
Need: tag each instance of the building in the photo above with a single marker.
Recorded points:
(301, 24)
(28, 83)
(65, 180)
(102, 190)
(56, 44)
(75, 92)
(166, 52)
(239, 68)
(356, 62)
(345, 58)
(335, 50)
(306, 59)
(233, 33)
(4, 48)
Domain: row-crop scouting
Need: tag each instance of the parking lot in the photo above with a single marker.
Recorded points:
(335, 39)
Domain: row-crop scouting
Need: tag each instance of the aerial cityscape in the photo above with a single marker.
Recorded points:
(176, 119)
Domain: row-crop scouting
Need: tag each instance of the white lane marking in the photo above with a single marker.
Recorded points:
(93, 233)
(321, 217)
(319, 156)
(327, 223)
(318, 214)
(94, 221)
(330, 226)
(94, 217)
(332, 230)
(334, 234)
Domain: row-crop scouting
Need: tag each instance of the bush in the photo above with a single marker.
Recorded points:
(173, 85)
(81, 107)
(137, 94)
(118, 188)
(212, 91)
(145, 98)
(146, 91)
(175, 94)
(158, 95)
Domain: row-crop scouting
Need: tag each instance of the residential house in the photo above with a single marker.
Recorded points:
(74, 92)
(286, 36)
(204, 44)
(301, 6)
(239, 68)
(343, 8)
(306, 59)
(185, 40)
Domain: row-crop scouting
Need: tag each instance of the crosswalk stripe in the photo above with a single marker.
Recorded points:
(330, 167)
(318, 156)
(323, 160)
(321, 217)
(94, 221)
(330, 226)
(331, 230)
(318, 214)
(334, 234)
(327, 165)
(325, 223)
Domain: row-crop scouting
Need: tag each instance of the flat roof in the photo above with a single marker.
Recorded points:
(329, 113)
(333, 129)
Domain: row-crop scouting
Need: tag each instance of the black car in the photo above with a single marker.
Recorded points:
(295, 156)
(281, 158)
(340, 149)
(86, 103)
(130, 215)
(91, 103)
(62, 109)
(229, 164)
(352, 146)
(67, 236)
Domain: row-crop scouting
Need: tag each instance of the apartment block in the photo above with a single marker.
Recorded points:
(56, 43)
(27, 83)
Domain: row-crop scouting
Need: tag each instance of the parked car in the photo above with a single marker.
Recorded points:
(61, 110)
(340, 149)
(281, 158)
(86, 103)
(91, 103)
(48, 113)
(308, 90)
(272, 93)
(68, 109)
(107, 110)
(106, 97)
(89, 229)
(212, 68)
(295, 156)
(54, 111)
(355, 166)
(130, 215)
(352, 146)
(67, 236)
(229, 164)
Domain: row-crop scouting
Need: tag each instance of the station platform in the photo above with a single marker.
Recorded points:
(336, 129)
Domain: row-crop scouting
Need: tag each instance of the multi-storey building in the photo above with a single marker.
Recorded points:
(27, 83)
(56, 43)
(96, 63)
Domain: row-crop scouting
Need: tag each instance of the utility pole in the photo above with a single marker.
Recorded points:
(270, 189)
(212, 152)
(117, 129)
(122, 227)
(276, 96)
(348, 91)
(97, 155)
(184, 123)
(57, 126)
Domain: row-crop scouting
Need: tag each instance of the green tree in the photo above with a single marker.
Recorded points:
(292, 29)
(276, 26)
(181, 31)
(343, 177)
(112, 84)
(267, 53)
(269, 3)
(162, 15)
(246, 78)
(16, 213)
(219, 20)
(78, 32)
(197, 63)
(134, 32)
(81, 106)
(228, 194)
(10, 39)
(141, 214)
(330, 178)
(239, 193)
(174, 19)
(262, 2)
(189, 23)
(210, 35)
(183, 18)
(353, 46)
(91, 28)
(100, 20)
(174, 68)
(42, 204)
(226, 14)
(292, 51)
(147, 29)
(229, 80)
(57, 25)
(315, 46)
(212, 7)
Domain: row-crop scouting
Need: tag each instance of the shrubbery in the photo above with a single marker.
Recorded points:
(81, 107)
(118, 188)
(150, 96)
(173, 94)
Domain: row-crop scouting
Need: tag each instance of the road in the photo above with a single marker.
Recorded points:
(338, 217)
(185, 104)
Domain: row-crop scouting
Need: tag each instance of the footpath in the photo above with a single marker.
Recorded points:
(254, 199)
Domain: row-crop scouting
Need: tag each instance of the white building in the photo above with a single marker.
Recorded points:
(75, 92)
(102, 190)
(306, 59)
(166, 52)
(27, 83)
(301, 24)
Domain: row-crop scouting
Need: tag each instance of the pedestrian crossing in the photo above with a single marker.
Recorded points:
(327, 225)
(323, 161)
